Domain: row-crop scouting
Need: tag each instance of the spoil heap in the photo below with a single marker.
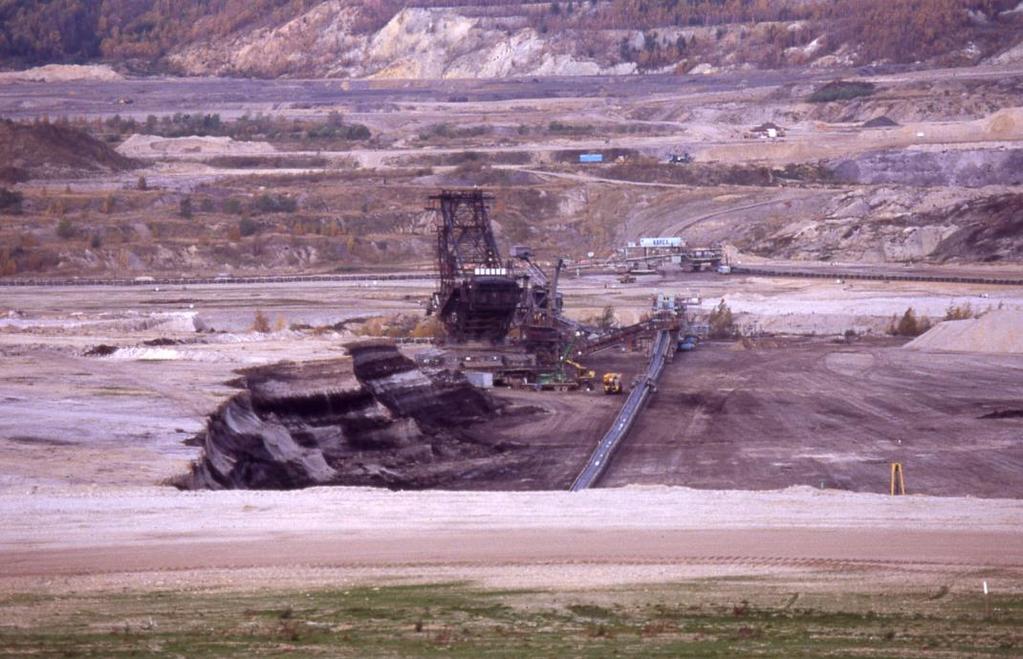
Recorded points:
(998, 331)
(390, 425)
(45, 150)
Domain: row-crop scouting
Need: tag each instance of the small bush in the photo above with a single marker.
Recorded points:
(233, 206)
(10, 200)
(268, 203)
(570, 129)
(607, 318)
(959, 312)
(65, 229)
(247, 227)
(372, 327)
(185, 208)
(260, 323)
(721, 322)
(909, 324)
(428, 328)
(8, 266)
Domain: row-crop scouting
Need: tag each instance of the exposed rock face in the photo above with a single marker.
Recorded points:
(417, 42)
(891, 224)
(320, 40)
(968, 168)
(254, 450)
(989, 229)
(395, 380)
(390, 425)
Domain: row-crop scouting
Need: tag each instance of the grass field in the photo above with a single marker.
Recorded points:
(723, 618)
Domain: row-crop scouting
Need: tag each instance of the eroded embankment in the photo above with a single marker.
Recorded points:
(391, 425)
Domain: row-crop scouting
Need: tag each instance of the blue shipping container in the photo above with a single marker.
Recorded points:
(591, 157)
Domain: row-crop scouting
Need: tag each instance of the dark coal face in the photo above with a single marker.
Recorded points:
(102, 350)
(391, 426)
(438, 401)
(1003, 414)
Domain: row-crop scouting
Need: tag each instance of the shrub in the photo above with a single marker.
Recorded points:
(247, 227)
(10, 200)
(233, 206)
(357, 132)
(8, 266)
(909, 324)
(268, 203)
(65, 229)
(428, 328)
(185, 208)
(372, 327)
(721, 322)
(571, 129)
(260, 323)
(959, 312)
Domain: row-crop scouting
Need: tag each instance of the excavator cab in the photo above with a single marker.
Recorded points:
(584, 376)
(612, 383)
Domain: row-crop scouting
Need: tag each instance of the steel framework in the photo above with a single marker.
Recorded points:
(478, 296)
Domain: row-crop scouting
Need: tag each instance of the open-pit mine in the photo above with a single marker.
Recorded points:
(700, 361)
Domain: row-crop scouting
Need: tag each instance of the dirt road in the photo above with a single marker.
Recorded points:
(70, 532)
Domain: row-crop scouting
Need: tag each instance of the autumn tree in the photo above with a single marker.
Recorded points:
(721, 321)
(260, 322)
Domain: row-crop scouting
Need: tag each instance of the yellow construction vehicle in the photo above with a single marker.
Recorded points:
(612, 383)
(584, 376)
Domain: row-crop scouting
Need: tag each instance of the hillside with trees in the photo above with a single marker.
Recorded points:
(141, 34)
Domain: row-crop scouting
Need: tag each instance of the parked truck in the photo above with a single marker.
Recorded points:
(612, 383)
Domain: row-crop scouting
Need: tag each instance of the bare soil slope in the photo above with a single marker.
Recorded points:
(46, 150)
(999, 331)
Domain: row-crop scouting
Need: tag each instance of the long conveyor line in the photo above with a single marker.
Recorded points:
(602, 455)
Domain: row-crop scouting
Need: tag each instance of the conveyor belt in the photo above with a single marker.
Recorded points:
(877, 276)
(602, 455)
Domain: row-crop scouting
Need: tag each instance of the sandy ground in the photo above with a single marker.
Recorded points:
(146, 530)
(63, 73)
(999, 331)
(149, 146)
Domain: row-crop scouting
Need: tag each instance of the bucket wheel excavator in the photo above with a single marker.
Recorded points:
(478, 294)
